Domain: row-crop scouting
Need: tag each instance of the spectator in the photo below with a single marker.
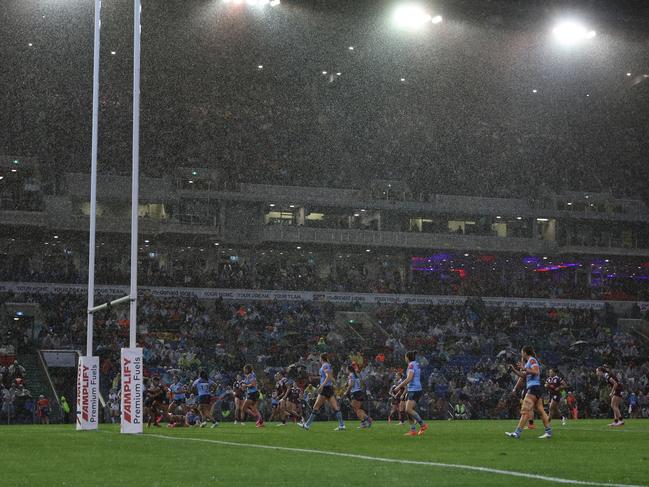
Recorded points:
(65, 408)
(16, 371)
(43, 409)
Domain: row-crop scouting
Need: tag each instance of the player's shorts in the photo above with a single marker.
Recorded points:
(252, 396)
(238, 395)
(327, 391)
(358, 396)
(180, 400)
(415, 395)
(536, 391)
(206, 399)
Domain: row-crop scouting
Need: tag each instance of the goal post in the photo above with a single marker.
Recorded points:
(131, 362)
(87, 410)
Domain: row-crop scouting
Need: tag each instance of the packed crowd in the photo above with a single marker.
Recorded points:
(464, 351)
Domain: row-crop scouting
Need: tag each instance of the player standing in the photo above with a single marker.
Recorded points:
(530, 372)
(280, 393)
(249, 384)
(555, 385)
(325, 393)
(412, 384)
(615, 395)
(239, 399)
(357, 395)
(203, 387)
(395, 399)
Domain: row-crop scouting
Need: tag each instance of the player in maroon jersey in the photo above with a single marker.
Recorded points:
(396, 405)
(281, 391)
(237, 390)
(555, 384)
(615, 395)
(292, 405)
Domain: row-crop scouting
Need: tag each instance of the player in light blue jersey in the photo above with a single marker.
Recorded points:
(203, 387)
(178, 396)
(356, 393)
(530, 372)
(249, 384)
(412, 384)
(325, 394)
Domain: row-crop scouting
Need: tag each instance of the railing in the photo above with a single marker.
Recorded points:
(404, 239)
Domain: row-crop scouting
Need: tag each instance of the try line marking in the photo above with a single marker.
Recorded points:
(473, 468)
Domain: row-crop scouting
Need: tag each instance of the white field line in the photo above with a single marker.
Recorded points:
(472, 468)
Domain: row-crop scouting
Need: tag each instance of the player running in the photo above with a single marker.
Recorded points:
(156, 394)
(178, 394)
(412, 384)
(357, 395)
(293, 401)
(203, 387)
(249, 384)
(615, 395)
(325, 393)
(555, 385)
(530, 372)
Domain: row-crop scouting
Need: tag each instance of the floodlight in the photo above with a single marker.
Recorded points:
(570, 32)
(411, 17)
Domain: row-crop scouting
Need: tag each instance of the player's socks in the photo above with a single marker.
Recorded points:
(311, 419)
(416, 417)
(339, 417)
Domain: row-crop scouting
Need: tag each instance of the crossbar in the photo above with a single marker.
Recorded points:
(112, 303)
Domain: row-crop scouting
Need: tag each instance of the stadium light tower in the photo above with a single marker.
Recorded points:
(570, 33)
(413, 17)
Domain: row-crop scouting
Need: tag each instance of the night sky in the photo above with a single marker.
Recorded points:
(451, 108)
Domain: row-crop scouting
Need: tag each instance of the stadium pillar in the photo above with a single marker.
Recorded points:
(87, 410)
(132, 365)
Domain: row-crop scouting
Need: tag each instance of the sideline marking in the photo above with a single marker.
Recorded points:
(393, 460)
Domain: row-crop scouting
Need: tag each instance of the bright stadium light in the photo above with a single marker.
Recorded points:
(570, 33)
(413, 17)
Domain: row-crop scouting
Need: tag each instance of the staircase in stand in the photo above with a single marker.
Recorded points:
(37, 383)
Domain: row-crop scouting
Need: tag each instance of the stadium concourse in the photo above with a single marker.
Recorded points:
(464, 350)
(166, 261)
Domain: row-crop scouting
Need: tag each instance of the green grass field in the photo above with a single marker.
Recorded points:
(581, 453)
